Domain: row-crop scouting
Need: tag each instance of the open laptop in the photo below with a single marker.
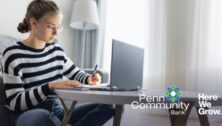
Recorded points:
(126, 68)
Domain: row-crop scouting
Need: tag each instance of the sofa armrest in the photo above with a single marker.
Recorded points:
(104, 74)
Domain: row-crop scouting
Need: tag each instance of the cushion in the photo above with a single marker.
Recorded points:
(6, 41)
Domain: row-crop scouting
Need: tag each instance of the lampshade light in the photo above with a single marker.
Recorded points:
(84, 15)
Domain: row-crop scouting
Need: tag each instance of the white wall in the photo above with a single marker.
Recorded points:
(13, 11)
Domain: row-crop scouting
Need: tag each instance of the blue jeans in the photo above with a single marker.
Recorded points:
(83, 115)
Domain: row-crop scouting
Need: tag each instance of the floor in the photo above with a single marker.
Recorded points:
(132, 117)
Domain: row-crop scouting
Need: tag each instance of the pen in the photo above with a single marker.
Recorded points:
(95, 69)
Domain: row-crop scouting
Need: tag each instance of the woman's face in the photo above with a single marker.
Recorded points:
(48, 27)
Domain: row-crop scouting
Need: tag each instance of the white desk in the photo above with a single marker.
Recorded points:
(119, 98)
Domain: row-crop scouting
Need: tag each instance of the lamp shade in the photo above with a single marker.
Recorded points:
(84, 15)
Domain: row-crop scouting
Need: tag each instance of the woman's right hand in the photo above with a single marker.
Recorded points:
(64, 84)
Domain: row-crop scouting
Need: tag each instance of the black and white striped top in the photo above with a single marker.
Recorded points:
(28, 71)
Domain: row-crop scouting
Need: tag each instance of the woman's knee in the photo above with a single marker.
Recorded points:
(35, 117)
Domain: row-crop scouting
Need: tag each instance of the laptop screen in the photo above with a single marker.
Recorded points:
(126, 66)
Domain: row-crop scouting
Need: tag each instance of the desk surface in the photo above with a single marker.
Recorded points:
(116, 97)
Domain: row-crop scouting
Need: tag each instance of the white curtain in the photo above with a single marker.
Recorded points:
(206, 59)
(185, 45)
(124, 21)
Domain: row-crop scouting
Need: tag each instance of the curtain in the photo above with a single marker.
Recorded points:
(93, 42)
(185, 45)
(205, 55)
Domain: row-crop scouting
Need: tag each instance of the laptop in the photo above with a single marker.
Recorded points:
(126, 68)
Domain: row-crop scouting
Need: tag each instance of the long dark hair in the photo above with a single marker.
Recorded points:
(37, 9)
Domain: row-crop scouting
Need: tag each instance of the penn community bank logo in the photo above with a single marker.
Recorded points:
(170, 99)
(173, 94)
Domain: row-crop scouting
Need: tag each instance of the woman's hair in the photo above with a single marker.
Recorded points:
(37, 9)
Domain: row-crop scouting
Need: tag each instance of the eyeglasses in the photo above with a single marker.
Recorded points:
(53, 29)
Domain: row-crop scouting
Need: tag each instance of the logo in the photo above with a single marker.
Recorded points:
(173, 94)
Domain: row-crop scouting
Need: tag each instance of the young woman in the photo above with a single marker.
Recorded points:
(34, 67)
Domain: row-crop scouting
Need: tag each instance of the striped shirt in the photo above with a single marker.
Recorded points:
(28, 71)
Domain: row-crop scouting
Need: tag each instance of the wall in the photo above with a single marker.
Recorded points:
(13, 11)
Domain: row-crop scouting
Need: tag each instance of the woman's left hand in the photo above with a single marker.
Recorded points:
(94, 79)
